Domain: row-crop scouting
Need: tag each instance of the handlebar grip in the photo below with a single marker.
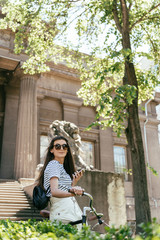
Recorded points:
(72, 191)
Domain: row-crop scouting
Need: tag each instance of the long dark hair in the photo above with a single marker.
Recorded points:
(68, 164)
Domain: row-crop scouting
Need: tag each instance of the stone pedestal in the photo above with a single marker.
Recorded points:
(26, 140)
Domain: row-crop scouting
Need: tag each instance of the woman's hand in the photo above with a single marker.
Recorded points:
(77, 176)
(78, 191)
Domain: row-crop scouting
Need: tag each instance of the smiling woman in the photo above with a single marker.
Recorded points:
(59, 174)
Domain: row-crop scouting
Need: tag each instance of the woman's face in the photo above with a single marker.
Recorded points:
(59, 149)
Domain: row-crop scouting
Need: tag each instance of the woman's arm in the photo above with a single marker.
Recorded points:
(63, 194)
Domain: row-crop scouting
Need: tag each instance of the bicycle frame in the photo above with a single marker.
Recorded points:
(86, 209)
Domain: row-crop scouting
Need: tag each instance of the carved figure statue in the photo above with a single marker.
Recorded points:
(71, 132)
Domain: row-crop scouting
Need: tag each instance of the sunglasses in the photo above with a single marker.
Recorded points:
(58, 146)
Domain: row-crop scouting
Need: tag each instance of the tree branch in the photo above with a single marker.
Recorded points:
(150, 39)
(115, 14)
(130, 5)
(124, 14)
(76, 16)
(142, 18)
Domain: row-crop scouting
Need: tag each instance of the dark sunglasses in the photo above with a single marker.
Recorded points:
(58, 146)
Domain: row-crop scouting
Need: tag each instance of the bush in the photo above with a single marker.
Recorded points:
(33, 230)
(121, 233)
(151, 231)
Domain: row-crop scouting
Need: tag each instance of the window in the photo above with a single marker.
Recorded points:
(88, 152)
(120, 160)
(158, 117)
(44, 142)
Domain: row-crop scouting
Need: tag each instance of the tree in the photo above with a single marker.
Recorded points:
(111, 79)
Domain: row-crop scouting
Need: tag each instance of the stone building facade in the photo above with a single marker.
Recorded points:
(30, 103)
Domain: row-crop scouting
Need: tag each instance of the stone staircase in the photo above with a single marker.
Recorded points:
(14, 203)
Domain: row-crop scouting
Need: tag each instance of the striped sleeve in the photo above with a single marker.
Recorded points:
(53, 170)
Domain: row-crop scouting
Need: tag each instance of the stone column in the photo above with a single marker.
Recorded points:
(26, 140)
(40, 97)
(106, 150)
(9, 134)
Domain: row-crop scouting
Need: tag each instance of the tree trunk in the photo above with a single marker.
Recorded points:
(133, 133)
(135, 143)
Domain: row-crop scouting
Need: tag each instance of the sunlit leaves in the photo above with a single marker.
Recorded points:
(147, 81)
(37, 24)
(33, 35)
(154, 172)
(112, 107)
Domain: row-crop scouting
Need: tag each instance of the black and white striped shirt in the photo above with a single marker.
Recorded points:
(55, 169)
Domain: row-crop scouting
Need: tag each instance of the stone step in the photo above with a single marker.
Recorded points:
(15, 210)
(14, 184)
(14, 204)
(7, 180)
(14, 200)
(12, 195)
(18, 214)
(10, 183)
(6, 187)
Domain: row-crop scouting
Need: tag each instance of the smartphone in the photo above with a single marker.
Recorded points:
(81, 170)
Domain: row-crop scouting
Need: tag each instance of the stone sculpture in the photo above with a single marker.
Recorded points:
(71, 132)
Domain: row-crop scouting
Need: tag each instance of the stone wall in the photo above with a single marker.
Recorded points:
(108, 193)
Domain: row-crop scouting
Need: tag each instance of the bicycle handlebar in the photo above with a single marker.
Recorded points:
(91, 208)
(98, 215)
(90, 196)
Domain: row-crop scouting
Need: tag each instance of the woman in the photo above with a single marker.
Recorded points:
(59, 173)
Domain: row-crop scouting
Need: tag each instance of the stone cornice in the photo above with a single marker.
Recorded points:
(62, 71)
(71, 102)
(151, 120)
(119, 140)
(20, 74)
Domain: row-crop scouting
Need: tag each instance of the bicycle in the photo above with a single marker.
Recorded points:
(91, 209)
(85, 219)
